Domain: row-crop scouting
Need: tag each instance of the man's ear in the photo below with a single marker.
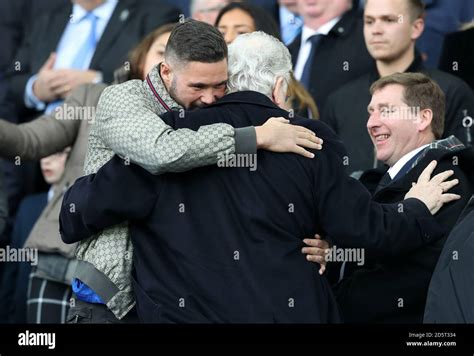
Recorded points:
(426, 116)
(278, 95)
(418, 27)
(166, 74)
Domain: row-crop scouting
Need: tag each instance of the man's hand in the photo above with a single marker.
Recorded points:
(65, 80)
(277, 135)
(316, 252)
(42, 86)
(431, 191)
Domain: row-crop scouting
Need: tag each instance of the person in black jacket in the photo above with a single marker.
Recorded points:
(457, 55)
(451, 290)
(405, 125)
(222, 243)
(391, 42)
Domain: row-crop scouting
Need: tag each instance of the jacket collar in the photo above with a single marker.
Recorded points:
(156, 89)
(415, 66)
(437, 150)
(247, 97)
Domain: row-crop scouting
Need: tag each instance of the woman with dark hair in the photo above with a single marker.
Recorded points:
(239, 18)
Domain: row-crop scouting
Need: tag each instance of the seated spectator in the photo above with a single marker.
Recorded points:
(240, 18)
(391, 43)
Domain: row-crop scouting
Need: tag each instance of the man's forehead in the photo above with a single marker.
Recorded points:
(208, 73)
(379, 8)
(391, 93)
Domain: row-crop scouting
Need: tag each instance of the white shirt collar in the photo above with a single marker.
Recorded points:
(322, 30)
(393, 171)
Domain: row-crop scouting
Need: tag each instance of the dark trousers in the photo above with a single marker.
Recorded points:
(91, 313)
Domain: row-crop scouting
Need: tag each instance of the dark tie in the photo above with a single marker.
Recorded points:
(386, 180)
(306, 76)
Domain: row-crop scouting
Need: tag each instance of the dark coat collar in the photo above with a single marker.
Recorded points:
(247, 97)
(415, 66)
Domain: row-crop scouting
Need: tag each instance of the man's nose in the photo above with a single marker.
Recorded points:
(208, 97)
(373, 120)
(377, 28)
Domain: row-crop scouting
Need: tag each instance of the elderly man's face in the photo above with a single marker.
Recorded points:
(196, 84)
(392, 124)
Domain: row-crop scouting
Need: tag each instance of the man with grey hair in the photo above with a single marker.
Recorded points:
(222, 243)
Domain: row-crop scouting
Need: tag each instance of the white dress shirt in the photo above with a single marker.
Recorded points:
(393, 171)
(305, 47)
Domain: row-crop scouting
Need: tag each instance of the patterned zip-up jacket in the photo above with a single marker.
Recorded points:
(127, 124)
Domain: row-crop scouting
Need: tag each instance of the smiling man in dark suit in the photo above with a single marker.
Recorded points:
(405, 124)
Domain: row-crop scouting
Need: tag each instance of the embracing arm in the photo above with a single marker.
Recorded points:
(385, 229)
(117, 192)
(132, 130)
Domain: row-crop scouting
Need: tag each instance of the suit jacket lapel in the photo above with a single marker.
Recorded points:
(123, 12)
(294, 49)
(57, 22)
(399, 182)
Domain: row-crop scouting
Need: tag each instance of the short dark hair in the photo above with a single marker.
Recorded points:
(420, 91)
(195, 41)
(417, 9)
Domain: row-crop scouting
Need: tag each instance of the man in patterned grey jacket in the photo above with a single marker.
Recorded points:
(127, 123)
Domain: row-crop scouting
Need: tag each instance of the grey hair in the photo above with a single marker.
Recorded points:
(256, 61)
